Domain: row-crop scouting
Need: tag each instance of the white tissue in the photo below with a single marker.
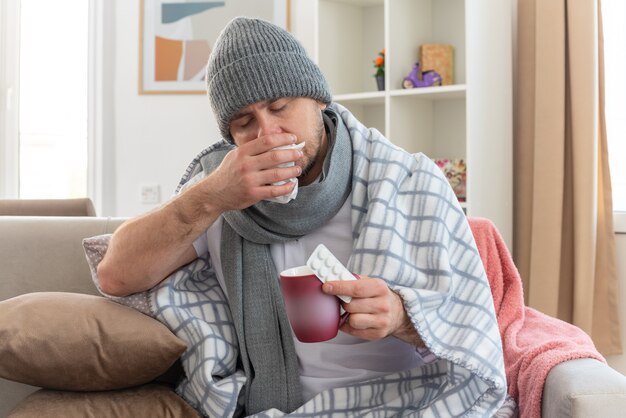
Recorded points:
(288, 197)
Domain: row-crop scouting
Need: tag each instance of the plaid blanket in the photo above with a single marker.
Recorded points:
(409, 230)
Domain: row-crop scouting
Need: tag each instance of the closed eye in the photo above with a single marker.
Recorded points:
(279, 109)
(243, 121)
(279, 105)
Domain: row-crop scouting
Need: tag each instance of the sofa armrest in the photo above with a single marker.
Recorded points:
(45, 253)
(584, 388)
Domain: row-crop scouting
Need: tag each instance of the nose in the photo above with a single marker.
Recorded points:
(268, 124)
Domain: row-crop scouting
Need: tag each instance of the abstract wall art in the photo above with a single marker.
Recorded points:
(177, 36)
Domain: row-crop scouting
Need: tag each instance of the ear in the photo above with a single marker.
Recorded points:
(322, 105)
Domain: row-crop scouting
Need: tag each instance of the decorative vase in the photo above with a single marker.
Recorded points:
(380, 82)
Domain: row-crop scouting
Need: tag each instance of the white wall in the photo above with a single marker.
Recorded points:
(155, 136)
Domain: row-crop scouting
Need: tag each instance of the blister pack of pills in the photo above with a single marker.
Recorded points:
(326, 266)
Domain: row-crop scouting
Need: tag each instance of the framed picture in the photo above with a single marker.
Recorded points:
(176, 39)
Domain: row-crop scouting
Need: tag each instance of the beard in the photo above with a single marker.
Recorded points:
(311, 157)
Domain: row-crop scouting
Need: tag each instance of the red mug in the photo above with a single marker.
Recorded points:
(314, 316)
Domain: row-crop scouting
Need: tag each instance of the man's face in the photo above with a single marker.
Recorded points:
(300, 116)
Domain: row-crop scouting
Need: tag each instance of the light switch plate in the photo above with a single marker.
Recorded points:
(150, 193)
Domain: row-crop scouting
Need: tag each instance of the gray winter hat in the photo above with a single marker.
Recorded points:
(254, 60)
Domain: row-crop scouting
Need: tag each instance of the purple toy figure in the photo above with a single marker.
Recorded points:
(429, 78)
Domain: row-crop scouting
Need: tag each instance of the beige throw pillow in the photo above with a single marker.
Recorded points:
(149, 401)
(79, 342)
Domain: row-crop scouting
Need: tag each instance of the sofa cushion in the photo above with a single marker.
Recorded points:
(149, 401)
(81, 342)
(95, 248)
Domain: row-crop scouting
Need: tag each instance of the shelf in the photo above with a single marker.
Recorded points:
(359, 3)
(352, 34)
(368, 98)
(441, 121)
(455, 91)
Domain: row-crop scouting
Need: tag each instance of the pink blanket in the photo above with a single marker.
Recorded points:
(533, 342)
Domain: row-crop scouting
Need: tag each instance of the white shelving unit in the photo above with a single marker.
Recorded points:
(470, 119)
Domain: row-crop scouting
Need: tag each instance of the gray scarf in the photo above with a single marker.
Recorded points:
(267, 351)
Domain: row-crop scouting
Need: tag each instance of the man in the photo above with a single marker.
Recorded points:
(268, 96)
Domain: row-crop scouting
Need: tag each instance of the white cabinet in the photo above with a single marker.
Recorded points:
(470, 119)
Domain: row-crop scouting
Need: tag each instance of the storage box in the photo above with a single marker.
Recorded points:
(438, 57)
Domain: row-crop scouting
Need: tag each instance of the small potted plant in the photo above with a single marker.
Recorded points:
(379, 64)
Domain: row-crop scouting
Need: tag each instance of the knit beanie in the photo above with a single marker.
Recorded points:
(254, 60)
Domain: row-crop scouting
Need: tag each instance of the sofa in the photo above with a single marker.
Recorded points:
(45, 254)
(47, 207)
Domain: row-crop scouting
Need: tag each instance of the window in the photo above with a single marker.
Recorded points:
(614, 26)
(50, 92)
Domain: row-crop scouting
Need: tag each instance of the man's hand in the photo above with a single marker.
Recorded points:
(246, 174)
(375, 310)
(147, 249)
